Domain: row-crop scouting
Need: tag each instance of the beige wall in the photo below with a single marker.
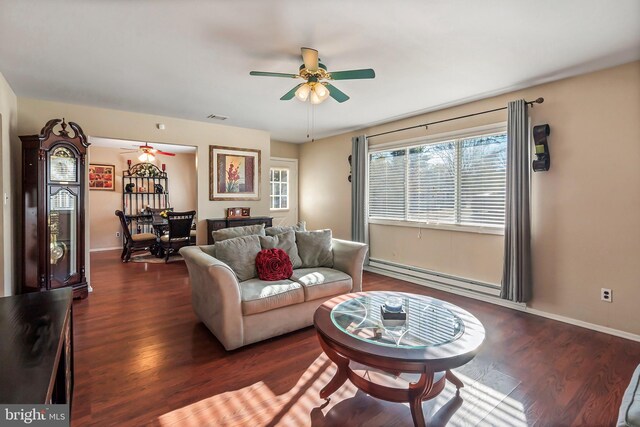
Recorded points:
(285, 149)
(8, 124)
(102, 204)
(585, 210)
(33, 114)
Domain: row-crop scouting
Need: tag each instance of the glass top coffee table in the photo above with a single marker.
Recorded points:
(426, 336)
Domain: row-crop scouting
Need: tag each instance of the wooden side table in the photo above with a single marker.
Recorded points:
(219, 223)
(36, 332)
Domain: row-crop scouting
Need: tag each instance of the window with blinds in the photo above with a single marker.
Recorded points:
(460, 181)
(387, 180)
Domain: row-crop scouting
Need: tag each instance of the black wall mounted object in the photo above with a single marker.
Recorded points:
(543, 160)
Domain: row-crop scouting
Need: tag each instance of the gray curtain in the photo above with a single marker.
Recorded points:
(359, 153)
(516, 276)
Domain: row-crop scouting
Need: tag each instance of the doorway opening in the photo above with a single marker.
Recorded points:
(140, 179)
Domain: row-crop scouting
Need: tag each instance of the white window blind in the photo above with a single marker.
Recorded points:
(483, 169)
(461, 181)
(432, 183)
(387, 177)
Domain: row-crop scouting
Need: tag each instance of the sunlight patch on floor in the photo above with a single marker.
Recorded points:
(483, 401)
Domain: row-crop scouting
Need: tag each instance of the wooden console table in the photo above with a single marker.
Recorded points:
(219, 223)
(36, 332)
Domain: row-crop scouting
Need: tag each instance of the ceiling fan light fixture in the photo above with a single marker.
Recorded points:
(314, 98)
(321, 91)
(146, 157)
(303, 92)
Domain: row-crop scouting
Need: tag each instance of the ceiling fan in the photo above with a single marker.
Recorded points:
(148, 152)
(317, 87)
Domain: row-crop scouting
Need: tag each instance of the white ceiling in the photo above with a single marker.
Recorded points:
(192, 58)
(126, 144)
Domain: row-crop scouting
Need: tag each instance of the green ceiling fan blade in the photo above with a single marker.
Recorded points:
(336, 93)
(366, 73)
(267, 74)
(289, 95)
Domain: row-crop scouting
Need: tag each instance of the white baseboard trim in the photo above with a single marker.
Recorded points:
(583, 324)
(454, 289)
(105, 249)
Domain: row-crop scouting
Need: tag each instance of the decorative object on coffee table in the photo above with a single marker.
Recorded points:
(234, 174)
(435, 338)
(392, 312)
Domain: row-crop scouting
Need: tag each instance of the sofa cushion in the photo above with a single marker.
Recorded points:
(258, 296)
(314, 248)
(272, 231)
(285, 241)
(240, 253)
(629, 414)
(231, 232)
(322, 282)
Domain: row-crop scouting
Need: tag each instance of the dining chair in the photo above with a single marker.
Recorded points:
(179, 235)
(155, 214)
(134, 242)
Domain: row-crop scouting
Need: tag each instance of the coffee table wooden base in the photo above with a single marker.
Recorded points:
(427, 387)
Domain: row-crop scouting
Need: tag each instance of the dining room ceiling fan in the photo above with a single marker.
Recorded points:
(317, 86)
(148, 152)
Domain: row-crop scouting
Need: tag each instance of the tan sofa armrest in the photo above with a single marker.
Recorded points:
(215, 295)
(348, 257)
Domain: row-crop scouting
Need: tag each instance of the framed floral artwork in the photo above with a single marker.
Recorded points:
(102, 177)
(234, 173)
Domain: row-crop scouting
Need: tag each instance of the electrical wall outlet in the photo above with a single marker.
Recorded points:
(117, 234)
(606, 295)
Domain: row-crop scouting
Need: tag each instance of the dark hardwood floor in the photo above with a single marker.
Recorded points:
(143, 358)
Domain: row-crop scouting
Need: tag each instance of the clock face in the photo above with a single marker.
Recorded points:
(63, 166)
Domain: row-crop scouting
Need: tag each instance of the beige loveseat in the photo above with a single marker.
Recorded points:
(241, 313)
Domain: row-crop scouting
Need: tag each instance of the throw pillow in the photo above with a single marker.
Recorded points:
(273, 264)
(231, 232)
(272, 231)
(209, 250)
(285, 241)
(240, 253)
(314, 248)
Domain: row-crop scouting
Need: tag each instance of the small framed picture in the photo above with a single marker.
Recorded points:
(238, 212)
(102, 177)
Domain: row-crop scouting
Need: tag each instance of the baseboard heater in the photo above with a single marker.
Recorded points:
(432, 279)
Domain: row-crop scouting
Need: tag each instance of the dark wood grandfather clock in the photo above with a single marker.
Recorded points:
(53, 183)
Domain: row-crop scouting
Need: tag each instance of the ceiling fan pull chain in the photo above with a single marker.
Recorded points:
(308, 119)
(313, 122)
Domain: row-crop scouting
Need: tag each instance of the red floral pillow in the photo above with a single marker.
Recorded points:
(273, 264)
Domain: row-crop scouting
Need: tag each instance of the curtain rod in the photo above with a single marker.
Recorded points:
(424, 125)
